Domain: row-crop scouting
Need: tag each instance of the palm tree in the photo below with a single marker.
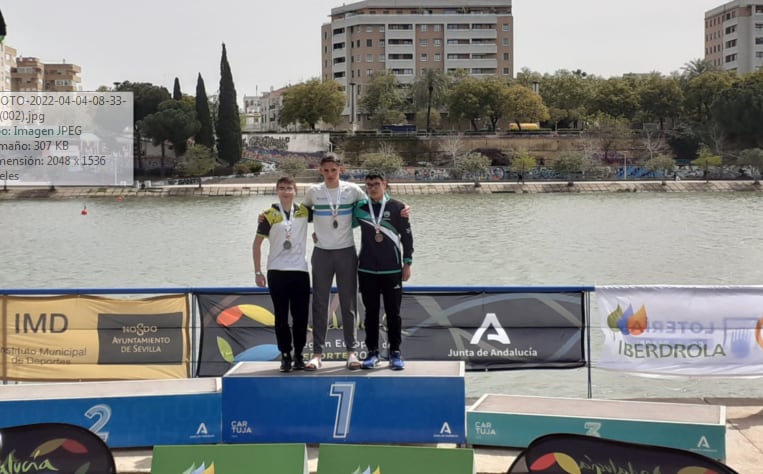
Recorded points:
(696, 67)
(430, 88)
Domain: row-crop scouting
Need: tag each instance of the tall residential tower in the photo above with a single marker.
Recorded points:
(734, 36)
(406, 37)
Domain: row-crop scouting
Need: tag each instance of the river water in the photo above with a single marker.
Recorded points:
(460, 240)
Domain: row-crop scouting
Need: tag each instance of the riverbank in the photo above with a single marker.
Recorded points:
(242, 189)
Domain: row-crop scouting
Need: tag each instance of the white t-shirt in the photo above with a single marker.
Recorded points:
(324, 202)
(273, 227)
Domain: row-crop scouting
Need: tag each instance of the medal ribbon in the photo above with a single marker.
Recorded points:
(377, 221)
(287, 220)
(334, 206)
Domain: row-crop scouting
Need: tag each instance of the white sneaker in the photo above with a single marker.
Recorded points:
(353, 363)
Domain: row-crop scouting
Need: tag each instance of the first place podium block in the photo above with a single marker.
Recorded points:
(422, 404)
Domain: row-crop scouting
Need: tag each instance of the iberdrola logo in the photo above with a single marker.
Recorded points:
(628, 322)
(367, 470)
(203, 469)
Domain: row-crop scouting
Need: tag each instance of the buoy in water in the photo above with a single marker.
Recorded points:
(84, 211)
(119, 199)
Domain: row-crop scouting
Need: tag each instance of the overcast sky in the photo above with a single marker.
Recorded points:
(275, 43)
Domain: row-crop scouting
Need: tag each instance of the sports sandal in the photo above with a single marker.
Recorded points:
(313, 364)
(352, 361)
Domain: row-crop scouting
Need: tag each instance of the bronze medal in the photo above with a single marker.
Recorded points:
(335, 224)
(379, 237)
(287, 244)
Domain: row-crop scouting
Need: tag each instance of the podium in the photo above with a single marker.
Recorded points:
(515, 421)
(425, 403)
(125, 414)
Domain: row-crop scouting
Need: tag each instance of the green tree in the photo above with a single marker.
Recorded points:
(174, 121)
(176, 93)
(661, 98)
(493, 97)
(522, 162)
(662, 162)
(476, 164)
(429, 90)
(738, 110)
(697, 67)
(198, 161)
(752, 157)
(383, 99)
(609, 133)
(567, 96)
(311, 102)
(146, 100)
(568, 163)
(701, 91)
(523, 105)
(387, 163)
(475, 99)
(464, 101)
(205, 135)
(616, 97)
(292, 165)
(706, 159)
(228, 124)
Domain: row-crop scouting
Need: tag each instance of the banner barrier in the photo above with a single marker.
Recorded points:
(573, 453)
(487, 330)
(53, 447)
(94, 338)
(672, 330)
(230, 459)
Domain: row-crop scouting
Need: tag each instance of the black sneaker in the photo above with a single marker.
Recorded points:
(285, 362)
(299, 362)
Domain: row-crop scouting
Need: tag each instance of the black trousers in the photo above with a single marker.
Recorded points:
(290, 290)
(388, 287)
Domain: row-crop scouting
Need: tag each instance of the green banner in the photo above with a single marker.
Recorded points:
(359, 459)
(230, 459)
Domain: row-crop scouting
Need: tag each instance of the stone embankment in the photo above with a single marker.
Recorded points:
(257, 189)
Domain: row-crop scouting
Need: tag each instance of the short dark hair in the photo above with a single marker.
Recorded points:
(286, 180)
(331, 158)
(375, 175)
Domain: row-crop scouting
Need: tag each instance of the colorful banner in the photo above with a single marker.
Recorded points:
(93, 338)
(53, 447)
(697, 331)
(360, 459)
(230, 459)
(579, 454)
(487, 330)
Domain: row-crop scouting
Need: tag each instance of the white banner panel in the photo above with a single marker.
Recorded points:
(698, 331)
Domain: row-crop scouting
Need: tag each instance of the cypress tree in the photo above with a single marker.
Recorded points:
(206, 135)
(228, 124)
(176, 94)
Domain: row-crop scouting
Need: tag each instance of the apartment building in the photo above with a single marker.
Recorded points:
(406, 37)
(734, 36)
(31, 74)
(7, 63)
